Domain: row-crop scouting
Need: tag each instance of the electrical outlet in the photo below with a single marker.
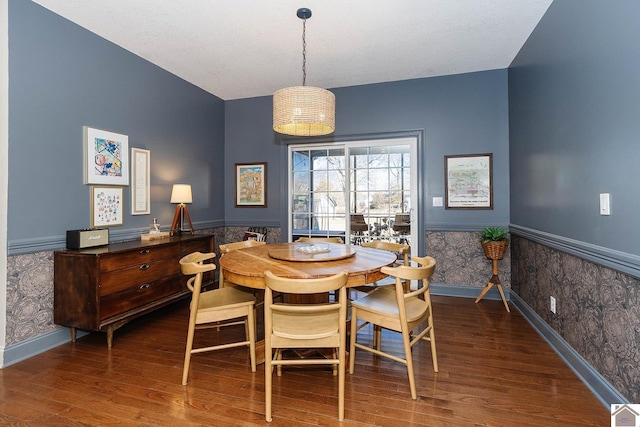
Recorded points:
(553, 304)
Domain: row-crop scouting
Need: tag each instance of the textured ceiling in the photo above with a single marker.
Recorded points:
(245, 48)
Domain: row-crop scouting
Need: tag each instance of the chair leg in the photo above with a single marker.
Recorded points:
(187, 353)
(406, 341)
(432, 339)
(268, 378)
(352, 339)
(251, 330)
(334, 368)
(278, 356)
(341, 374)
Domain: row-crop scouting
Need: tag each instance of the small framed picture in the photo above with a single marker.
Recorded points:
(251, 185)
(468, 181)
(106, 157)
(106, 206)
(140, 187)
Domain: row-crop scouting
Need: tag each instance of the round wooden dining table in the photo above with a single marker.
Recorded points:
(300, 260)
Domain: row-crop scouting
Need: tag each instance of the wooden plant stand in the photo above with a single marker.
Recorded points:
(495, 251)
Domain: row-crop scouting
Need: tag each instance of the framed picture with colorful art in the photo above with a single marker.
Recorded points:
(251, 185)
(106, 206)
(106, 157)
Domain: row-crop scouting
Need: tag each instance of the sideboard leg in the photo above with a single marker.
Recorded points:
(73, 334)
(109, 336)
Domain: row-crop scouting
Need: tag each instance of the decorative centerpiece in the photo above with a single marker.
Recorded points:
(314, 248)
(494, 241)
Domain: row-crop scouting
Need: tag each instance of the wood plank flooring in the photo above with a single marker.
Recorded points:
(494, 371)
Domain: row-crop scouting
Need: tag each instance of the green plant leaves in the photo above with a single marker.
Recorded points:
(493, 234)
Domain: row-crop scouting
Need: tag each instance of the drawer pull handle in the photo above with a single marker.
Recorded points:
(144, 266)
(145, 251)
(145, 286)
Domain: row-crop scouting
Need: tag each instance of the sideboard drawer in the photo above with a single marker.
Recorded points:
(137, 296)
(136, 275)
(112, 262)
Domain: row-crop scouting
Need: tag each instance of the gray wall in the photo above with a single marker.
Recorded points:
(573, 97)
(574, 104)
(63, 77)
(460, 114)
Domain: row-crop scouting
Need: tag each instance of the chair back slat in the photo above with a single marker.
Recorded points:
(321, 239)
(228, 247)
(402, 250)
(305, 286)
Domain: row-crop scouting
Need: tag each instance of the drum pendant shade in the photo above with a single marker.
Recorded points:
(304, 111)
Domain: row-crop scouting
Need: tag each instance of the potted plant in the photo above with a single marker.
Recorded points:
(494, 241)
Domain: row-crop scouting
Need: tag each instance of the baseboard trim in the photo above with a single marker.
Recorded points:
(595, 382)
(23, 350)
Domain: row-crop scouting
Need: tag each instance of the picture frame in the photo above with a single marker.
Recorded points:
(106, 206)
(140, 181)
(468, 180)
(251, 185)
(106, 157)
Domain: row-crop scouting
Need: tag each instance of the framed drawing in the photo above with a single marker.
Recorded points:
(106, 206)
(251, 185)
(140, 187)
(468, 181)
(106, 157)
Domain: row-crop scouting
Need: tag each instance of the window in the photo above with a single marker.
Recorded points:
(358, 190)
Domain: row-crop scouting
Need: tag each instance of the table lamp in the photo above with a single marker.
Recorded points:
(181, 194)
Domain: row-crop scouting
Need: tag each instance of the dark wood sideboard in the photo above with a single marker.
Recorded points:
(103, 288)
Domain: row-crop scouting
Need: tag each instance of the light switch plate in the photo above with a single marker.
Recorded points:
(437, 201)
(605, 204)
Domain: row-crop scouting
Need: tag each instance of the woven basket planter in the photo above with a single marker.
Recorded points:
(495, 250)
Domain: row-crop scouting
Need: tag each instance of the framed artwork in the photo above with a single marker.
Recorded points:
(106, 206)
(251, 185)
(140, 187)
(468, 181)
(106, 157)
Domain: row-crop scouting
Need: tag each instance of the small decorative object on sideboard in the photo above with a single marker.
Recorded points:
(154, 232)
(494, 241)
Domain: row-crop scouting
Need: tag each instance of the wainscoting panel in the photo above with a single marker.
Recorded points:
(597, 308)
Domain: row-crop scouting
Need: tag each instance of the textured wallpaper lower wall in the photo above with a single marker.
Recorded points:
(598, 309)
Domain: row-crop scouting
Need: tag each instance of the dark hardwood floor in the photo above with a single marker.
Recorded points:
(494, 371)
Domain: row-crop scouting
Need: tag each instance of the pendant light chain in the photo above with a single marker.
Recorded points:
(304, 52)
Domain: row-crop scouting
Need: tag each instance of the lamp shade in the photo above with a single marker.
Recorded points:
(304, 111)
(181, 193)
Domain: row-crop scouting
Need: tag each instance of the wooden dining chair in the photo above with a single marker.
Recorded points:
(402, 252)
(305, 326)
(401, 311)
(208, 309)
(228, 247)
(402, 258)
(320, 239)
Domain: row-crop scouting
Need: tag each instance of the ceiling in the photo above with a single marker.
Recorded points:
(245, 48)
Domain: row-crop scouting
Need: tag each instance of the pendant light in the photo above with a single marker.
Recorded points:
(304, 110)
